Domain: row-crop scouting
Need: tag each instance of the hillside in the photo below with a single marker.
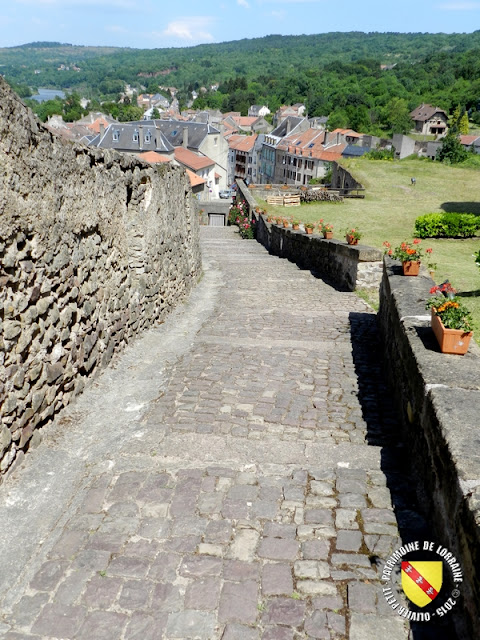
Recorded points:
(391, 206)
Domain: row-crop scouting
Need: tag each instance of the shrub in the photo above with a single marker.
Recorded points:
(380, 154)
(447, 225)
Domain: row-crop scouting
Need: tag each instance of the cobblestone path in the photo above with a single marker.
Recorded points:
(231, 477)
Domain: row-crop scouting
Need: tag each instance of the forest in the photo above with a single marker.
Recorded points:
(367, 81)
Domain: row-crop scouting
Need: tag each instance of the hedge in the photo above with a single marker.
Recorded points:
(447, 225)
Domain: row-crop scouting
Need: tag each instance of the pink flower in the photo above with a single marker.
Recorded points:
(416, 241)
(429, 250)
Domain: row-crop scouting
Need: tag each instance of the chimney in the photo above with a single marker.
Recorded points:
(140, 136)
(289, 126)
(185, 137)
(102, 130)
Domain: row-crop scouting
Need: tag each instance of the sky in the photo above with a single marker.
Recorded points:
(162, 23)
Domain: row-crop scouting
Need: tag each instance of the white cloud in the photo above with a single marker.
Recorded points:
(243, 3)
(189, 28)
(459, 6)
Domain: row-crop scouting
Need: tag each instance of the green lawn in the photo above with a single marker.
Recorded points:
(391, 205)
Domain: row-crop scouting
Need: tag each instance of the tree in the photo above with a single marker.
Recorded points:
(452, 150)
(397, 116)
(155, 114)
(463, 124)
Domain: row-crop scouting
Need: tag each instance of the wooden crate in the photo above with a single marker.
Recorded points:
(278, 200)
(291, 201)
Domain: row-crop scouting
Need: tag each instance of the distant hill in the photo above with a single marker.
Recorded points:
(209, 63)
(353, 76)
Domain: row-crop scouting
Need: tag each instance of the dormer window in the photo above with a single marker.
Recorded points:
(116, 135)
(148, 137)
(135, 136)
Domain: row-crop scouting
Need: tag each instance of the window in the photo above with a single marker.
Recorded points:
(148, 137)
(116, 135)
(135, 136)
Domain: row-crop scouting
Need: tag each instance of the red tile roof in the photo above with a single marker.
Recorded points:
(191, 160)
(95, 126)
(194, 179)
(242, 143)
(153, 157)
(468, 140)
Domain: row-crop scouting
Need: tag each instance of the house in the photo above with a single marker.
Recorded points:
(152, 100)
(338, 136)
(468, 142)
(297, 110)
(133, 137)
(404, 146)
(203, 170)
(304, 156)
(430, 120)
(242, 158)
(251, 124)
(257, 110)
(267, 156)
(197, 183)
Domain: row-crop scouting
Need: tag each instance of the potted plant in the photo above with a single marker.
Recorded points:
(451, 320)
(409, 254)
(295, 224)
(327, 230)
(353, 235)
(286, 222)
(309, 226)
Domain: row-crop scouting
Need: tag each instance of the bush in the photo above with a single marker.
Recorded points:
(380, 154)
(447, 225)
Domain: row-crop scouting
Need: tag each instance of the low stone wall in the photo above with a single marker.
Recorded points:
(243, 194)
(342, 179)
(438, 400)
(94, 247)
(347, 267)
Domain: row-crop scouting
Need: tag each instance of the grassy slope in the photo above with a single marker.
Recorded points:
(391, 205)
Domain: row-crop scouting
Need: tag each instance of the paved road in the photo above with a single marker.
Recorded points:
(230, 477)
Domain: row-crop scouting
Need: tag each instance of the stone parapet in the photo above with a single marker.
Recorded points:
(438, 399)
(348, 267)
(94, 247)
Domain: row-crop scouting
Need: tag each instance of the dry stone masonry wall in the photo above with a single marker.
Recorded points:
(94, 247)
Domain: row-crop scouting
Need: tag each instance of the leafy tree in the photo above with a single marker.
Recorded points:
(463, 124)
(452, 150)
(155, 114)
(396, 116)
(454, 120)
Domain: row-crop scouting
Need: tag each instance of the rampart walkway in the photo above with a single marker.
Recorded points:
(231, 477)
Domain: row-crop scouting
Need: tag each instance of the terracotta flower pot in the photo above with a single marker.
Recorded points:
(450, 340)
(308, 230)
(295, 227)
(328, 235)
(411, 268)
(286, 225)
(351, 239)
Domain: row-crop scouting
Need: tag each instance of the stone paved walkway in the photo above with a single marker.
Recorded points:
(231, 477)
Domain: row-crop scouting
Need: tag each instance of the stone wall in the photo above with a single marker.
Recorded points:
(438, 400)
(347, 267)
(94, 247)
(342, 179)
